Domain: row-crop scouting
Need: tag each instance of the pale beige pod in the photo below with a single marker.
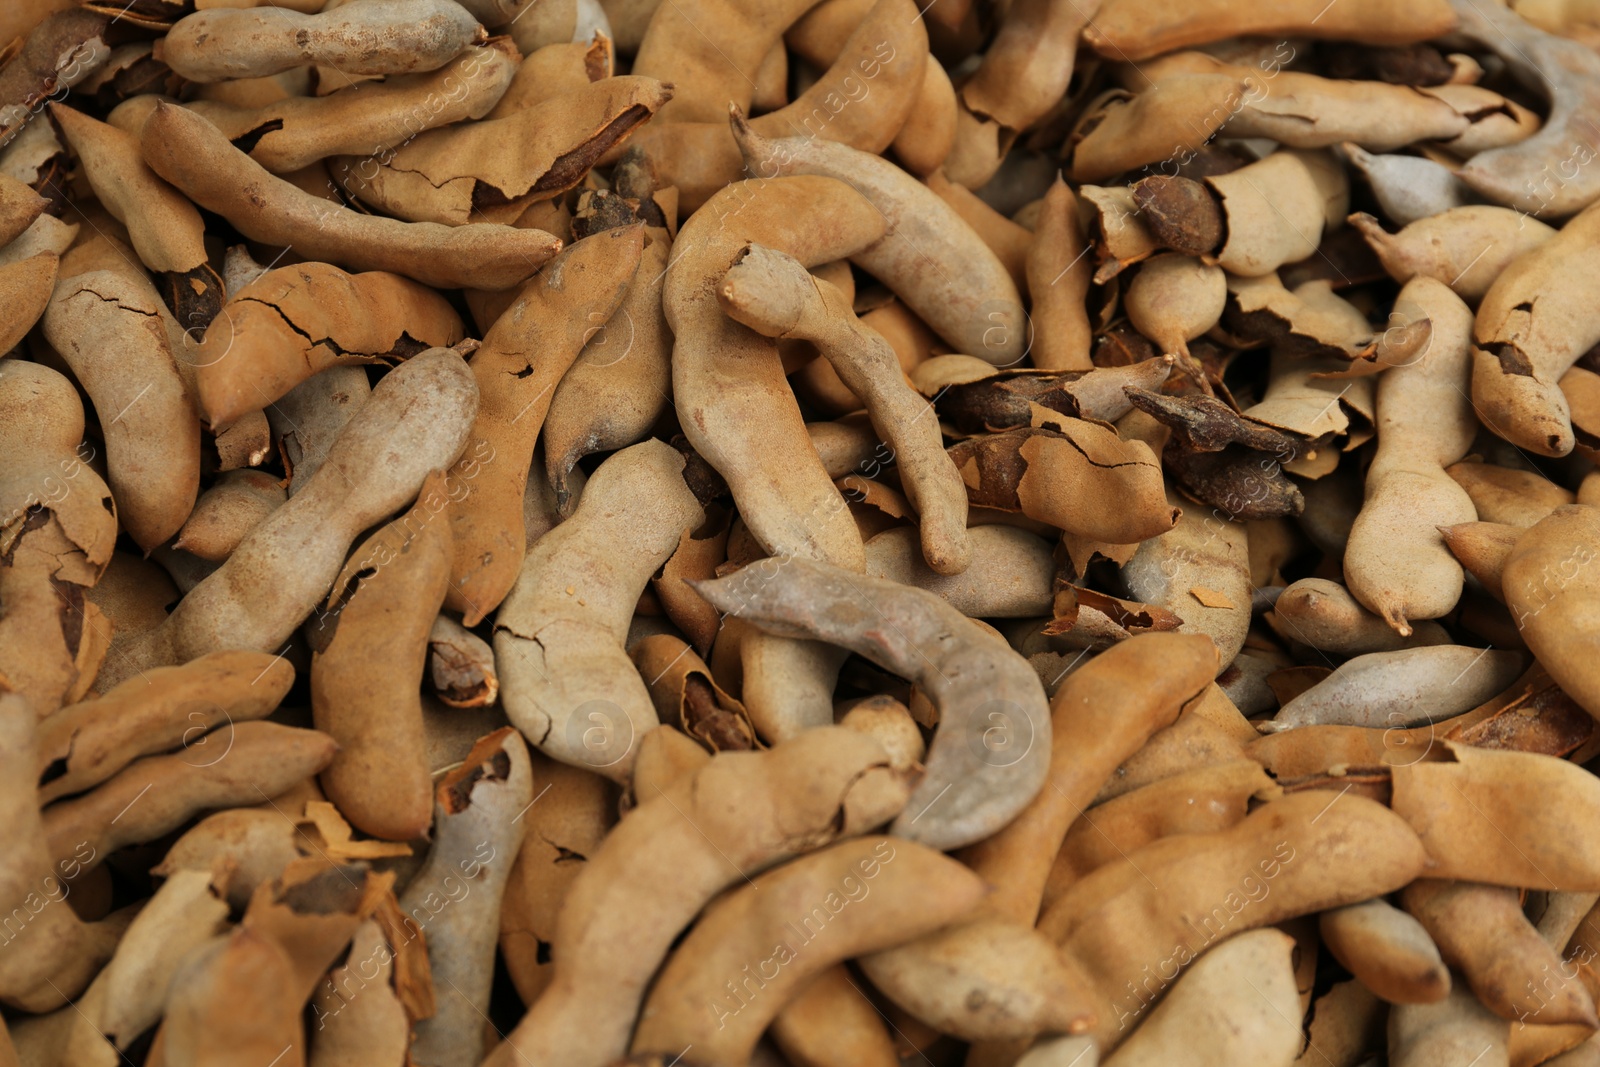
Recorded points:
(1276, 210)
(711, 51)
(1388, 950)
(1059, 271)
(1012, 573)
(1457, 1029)
(1167, 120)
(1466, 248)
(1173, 299)
(1507, 495)
(1323, 615)
(225, 513)
(397, 37)
(1551, 586)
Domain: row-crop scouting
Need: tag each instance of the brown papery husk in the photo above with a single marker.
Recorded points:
(687, 697)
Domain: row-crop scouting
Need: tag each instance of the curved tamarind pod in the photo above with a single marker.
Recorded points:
(978, 683)
(830, 1020)
(1131, 30)
(222, 516)
(1174, 299)
(495, 169)
(833, 898)
(368, 117)
(1455, 1029)
(84, 744)
(1508, 496)
(397, 37)
(1238, 1005)
(566, 680)
(772, 293)
(1518, 358)
(1322, 614)
(107, 329)
(1551, 591)
(1012, 573)
(133, 595)
(370, 645)
(235, 764)
(476, 842)
(25, 289)
(1405, 688)
(416, 422)
(1466, 248)
(307, 419)
(1275, 211)
(20, 207)
(711, 52)
(1174, 117)
(256, 844)
(293, 322)
(1395, 560)
(1298, 855)
(1548, 173)
(982, 314)
(522, 359)
(1388, 950)
(1059, 272)
(193, 155)
(1026, 68)
(737, 814)
(1481, 931)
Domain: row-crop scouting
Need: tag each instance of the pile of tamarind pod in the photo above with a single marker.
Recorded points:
(801, 533)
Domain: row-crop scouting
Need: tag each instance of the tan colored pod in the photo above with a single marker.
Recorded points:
(1169, 120)
(193, 155)
(1238, 1005)
(1323, 615)
(1026, 68)
(1551, 589)
(25, 288)
(1388, 950)
(1012, 575)
(1455, 1030)
(1395, 561)
(20, 206)
(84, 744)
(712, 53)
(461, 665)
(739, 813)
(830, 1020)
(1174, 299)
(699, 554)
(1531, 803)
(238, 764)
(370, 117)
(292, 322)
(1481, 931)
(1309, 320)
(1466, 248)
(492, 171)
(687, 698)
(1059, 272)
(203, 1021)
(1131, 30)
(394, 38)
(1507, 495)
(929, 134)
(982, 315)
(843, 901)
(307, 419)
(1005, 238)
(108, 329)
(991, 754)
(1135, 924)
(1276, 210)
(416, 422)
(1519, 359)
(1405, 688)
(522, 359)
(771, 292)
(565, 678)
(234, 505)
(360, 1018)
(555, 69)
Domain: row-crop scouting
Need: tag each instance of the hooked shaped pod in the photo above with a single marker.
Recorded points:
(1466, 248)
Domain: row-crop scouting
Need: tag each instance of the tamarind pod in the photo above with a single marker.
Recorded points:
(1323, 615)
(1059, 272)
(1581, 388)
(20, 207)
(622, 379)
(370, 646)
(1466, 248)
(53, 954)
(739, 813)
(523, 357)
(255, 844)
(981, 316)
(890, 723)
(1507, 496)
(193, 155)
(688, 698)
(665, 755)
(1481, 931)
(1404, 688)
(203, 1021)
(84, 744)
(566, 680)
(980, 146)
(368, 117)
(928, 135)
(1388, 950)
(475, 808)
(787, 686)
(45, 234)
(234, 505)
(1238, 1005)
(263, 759)
(1395, 560)
(461, 665)
(370, 1024)
(398, 38)
(712, 52)
(629, 20)
(1530, 797)
(25, 289)
(1518, 360)
(293, 322)
(966, 673)
(1310, 320)
(770, 292)
(777, 916)
(494, 169)
(1202, 800)
(106, 328)
(1131, 30)
(1174, 299)
(698, 555)
(1026, 68)
(416, 422)
(562, 21)
(1007, 240)
(1122, 131)
(307, 419)
(60, 51)
(1550, 591)
(1012, 575)
(1409, 188)
(132, 595)
(1308, 193)
(1114, 922)
(1454, 1029)
(556, 69)
(831, 1021)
